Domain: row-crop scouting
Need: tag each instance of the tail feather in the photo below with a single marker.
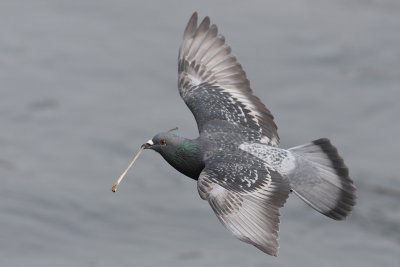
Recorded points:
(322, 180)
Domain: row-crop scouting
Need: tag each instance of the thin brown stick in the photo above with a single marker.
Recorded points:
(116, 184)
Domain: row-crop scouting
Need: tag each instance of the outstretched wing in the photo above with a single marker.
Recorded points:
(246, 201)
(214, 86)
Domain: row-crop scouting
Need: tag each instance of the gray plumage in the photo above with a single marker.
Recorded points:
(239, 169)
(214, 86)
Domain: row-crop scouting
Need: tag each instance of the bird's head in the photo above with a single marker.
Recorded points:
(181, 153)
(163, 142)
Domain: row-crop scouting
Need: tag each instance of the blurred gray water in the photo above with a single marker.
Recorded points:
(84, 83)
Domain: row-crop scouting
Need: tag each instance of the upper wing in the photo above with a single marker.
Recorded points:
(214, 86)
(246, 200)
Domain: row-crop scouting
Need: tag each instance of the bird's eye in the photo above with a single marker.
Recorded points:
(163, 142)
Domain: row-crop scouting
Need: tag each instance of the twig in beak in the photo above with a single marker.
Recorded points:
(116, 184)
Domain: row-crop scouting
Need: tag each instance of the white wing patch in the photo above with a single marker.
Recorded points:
(194, 79)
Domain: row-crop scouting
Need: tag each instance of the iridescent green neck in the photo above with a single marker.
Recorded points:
(187, 148)
(187, 158)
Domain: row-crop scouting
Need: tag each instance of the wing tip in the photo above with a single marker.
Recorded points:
(191, 25)
(268, 249)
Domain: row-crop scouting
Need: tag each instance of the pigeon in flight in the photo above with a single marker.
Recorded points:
(236, 161)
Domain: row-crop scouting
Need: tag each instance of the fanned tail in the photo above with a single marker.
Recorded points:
(322, 180)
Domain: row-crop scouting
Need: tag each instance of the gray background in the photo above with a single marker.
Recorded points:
(84, 83)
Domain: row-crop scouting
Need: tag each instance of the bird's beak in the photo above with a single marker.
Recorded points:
(148, 144)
